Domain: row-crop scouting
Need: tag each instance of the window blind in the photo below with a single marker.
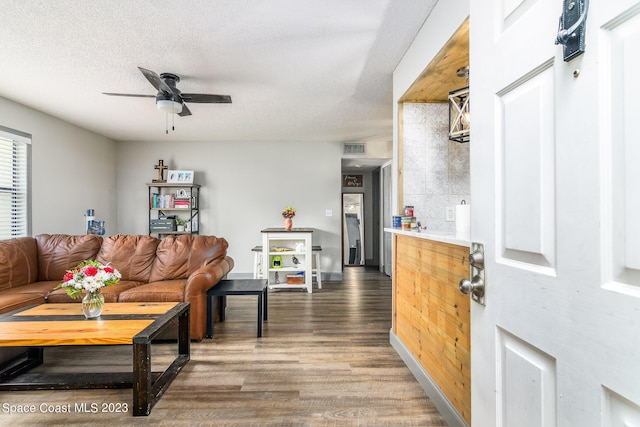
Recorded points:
(14, 183)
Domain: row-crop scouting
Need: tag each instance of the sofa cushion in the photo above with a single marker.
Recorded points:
(133, 256)
(18, 262)
(58, 253)
(39, 288)
(179, 256)
(110, 293)
(10, 300)
(163, 291)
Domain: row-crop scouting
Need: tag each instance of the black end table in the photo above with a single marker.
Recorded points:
(237, 287)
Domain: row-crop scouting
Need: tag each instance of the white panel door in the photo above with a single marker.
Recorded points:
(555, 157)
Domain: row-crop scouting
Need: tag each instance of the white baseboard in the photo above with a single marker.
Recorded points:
(446, 409)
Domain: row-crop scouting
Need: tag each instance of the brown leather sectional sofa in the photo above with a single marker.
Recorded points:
(177, 268)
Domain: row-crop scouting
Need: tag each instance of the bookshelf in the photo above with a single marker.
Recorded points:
(171, 204)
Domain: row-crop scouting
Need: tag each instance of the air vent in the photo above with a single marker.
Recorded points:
(354, 149)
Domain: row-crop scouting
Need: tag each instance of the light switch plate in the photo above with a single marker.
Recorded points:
(451, 214)
(328, 212)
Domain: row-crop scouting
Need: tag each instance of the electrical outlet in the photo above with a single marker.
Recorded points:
(328, 212)
(451, 214)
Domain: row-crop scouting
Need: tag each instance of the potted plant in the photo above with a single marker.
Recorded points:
(288, 213)
(181, 224)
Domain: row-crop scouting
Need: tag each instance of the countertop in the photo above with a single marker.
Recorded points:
(282, 230)
(432, 235)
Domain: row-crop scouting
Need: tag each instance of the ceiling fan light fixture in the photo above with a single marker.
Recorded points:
(169, 106)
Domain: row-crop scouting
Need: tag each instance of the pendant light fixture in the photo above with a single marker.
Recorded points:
(459, 111)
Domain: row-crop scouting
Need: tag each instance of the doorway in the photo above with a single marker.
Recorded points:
(353, 253)
(386, 219)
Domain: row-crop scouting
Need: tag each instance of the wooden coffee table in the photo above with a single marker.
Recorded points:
(135, 324)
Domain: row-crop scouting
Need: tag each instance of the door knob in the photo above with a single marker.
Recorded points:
(476, 259)
(475, 286)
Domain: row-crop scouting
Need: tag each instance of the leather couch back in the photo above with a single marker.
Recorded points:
(179, 256)
(132, 255)
(58, 253)
(18, 262)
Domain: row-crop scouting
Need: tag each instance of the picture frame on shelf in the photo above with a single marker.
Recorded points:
(183, 194)
(180, 177)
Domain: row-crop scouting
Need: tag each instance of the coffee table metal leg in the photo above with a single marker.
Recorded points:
(266, 303)
(184, 343)
(223, 305)
(142, 386)
(213, 302)
(36, 354)
(34, 357)
(147, 389)
(210, 316)
(260, 308)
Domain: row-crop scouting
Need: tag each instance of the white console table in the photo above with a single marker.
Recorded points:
(291, 241)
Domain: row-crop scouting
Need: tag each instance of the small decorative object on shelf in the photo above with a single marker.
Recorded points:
(288, 213)
(161, 168)
(276, 261)
(295, 279)
(89, 276)
(180, 177)
(181, 224)
(97, 228)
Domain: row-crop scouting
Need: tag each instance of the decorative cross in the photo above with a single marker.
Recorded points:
(161, 168)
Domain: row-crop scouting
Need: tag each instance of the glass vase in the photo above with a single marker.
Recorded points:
(92, 304)
(288, 223)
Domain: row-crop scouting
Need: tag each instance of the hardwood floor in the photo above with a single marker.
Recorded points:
(324, 360)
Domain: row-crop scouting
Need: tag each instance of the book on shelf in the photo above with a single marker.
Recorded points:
(162, 201)
(182, 203)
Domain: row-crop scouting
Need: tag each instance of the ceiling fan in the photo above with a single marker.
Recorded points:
(169, 98)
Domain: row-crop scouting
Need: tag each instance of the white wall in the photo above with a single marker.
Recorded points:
(442, 23)
(245, 187)
(72, 170)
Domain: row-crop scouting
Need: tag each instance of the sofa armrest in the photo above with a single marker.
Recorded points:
(204, 278)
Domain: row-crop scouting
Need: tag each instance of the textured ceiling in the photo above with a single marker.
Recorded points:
(313, 70)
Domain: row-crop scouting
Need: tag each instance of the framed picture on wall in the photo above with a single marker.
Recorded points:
(180, 177)
(352, 180)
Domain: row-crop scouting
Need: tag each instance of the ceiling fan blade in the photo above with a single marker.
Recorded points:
(128, 94)
(185, 111)
(156, 81)
(204, 98)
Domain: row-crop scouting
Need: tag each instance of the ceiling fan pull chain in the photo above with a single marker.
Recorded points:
(166, 123)
(173, 122)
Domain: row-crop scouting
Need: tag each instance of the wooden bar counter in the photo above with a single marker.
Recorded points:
(431, 325)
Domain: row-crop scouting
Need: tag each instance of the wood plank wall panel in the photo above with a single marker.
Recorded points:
(440, 75)
(431, 316)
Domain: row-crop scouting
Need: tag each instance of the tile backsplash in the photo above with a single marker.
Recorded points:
(436, 170)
